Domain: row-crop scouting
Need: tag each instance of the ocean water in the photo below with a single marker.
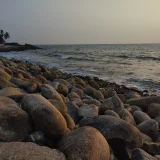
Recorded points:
(133, 65)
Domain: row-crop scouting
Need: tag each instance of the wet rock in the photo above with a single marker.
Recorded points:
(15, 124)
(154, 110)
(84, 144)
(112, 127)
(88, 111)
(127, 116)
(70, 122)
(72, 110)
(62, 108)
(44, 115)
(139, 154)
(50, 93)
(111, 113)
(140, 117)
(28, 151)
(144, 102)
(63, 89)
(132, 109)
(150, 128)
(9, 91)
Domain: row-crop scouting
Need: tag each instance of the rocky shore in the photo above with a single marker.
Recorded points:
(17, 47)
(47, 114)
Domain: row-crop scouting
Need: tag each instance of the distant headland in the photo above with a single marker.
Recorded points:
(8, 47)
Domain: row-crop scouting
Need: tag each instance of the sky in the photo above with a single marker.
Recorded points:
(81, 21)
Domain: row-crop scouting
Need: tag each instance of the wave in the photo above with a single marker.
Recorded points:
(76, 58)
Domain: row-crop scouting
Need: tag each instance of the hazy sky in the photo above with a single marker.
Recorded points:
(81, 21)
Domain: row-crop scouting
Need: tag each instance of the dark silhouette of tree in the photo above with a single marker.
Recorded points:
(3, 36)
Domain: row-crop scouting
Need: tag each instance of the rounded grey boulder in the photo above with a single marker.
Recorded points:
(112, 127)
(28, 151)
(85, 143)
(45, 116)
(14, 122)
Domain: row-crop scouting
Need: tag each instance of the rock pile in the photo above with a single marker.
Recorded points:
(47, 114)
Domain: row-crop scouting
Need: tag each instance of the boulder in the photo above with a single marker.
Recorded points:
(72, 110)
(113, 103)
(88, 111)
(132, 109)
(62, 89)
(127, 116)
(85, 143)
(91, 101)
(112, 127)
(78, 91)
(109, 93)
(14, 122)
(144, 102)
(28, 151)
(45, 116)
(4, 83)
(111, 113)
(4, 75)
(62, 108)
(157, 119)
(89, 91)
(69, 121)
(50, 93)
(25, 75)
(9, 91)
(73, 95)
(150, 128)
(98, 95)
(139, 154)
(77, 102)
(154, 110)
(140, 117)
(146, 138)
(27, 85)
(151, 148)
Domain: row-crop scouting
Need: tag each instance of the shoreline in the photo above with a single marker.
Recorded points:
(47, 109)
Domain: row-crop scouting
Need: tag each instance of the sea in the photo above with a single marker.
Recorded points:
(133, 65)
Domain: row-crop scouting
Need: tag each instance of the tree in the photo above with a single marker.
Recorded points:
(3, 36)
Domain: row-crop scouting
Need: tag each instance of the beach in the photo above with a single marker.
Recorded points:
(67, 116)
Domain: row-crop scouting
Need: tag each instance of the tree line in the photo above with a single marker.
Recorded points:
(3, 36)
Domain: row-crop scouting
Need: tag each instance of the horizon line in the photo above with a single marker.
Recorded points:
(97, 43)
